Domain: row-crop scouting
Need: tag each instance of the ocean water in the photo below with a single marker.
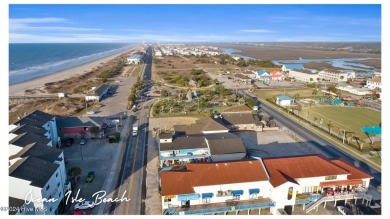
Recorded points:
(27, 61)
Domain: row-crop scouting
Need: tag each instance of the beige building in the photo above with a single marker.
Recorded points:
(303, 75)
(333, 76)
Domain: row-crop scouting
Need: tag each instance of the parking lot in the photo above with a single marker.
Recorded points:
(116, 102)
(95, 155)
(273, 144)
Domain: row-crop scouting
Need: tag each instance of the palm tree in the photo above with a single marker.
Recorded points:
(315, 120)
(330, 125)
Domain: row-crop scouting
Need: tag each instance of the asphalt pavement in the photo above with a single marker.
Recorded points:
(133, 172)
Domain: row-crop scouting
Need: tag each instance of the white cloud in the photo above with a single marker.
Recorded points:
(258, 31)
(37, 20)
(32, 25)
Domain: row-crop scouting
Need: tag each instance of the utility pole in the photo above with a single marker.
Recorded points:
(344, 136)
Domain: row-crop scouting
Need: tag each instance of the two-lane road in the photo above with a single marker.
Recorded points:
(132, 178)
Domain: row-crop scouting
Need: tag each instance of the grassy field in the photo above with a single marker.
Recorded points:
(303, 92)
(348, 118)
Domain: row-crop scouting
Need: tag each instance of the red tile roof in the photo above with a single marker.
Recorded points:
(276, 74)
(175, 183)
(341, 183)
(285, 169)
(355, 172)
(376, 79)
(203, 174)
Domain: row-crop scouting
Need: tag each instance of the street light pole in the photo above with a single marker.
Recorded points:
(344, 136)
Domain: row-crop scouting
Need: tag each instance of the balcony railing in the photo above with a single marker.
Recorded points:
(307, 198)
(222, 207)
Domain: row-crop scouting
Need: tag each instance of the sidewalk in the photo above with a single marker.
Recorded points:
(109, 183)
(153, 199)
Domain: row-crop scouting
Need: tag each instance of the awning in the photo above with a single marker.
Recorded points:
(254, 191)
(186, 197)
(341, 183)
(207, 195)
(237, 192)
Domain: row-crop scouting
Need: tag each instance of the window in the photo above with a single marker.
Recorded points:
(56, 175)
(85, 128)
(51, 209)
(58, 184)
(47, 187)
(330, 177)
(59, 195)
(167, 199)
(253, 196)
(236, 197)
(290, 193)
(206, 200)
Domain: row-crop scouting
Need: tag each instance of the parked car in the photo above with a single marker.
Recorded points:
(81, 213)
(83, 141)
(90, 177)
(90, 112)
(69, 142)
(366, 210)
(84, 205)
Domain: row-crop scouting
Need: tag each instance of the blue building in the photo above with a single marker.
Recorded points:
(287, 67)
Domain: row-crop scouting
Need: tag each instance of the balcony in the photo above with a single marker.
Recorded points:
(221, 207)
(183, 156)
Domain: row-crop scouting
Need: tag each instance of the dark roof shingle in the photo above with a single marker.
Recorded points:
(33, 169)
(225, 143)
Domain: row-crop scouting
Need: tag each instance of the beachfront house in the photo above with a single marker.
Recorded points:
(36, 179)
(288, 67)
(97, 94)
(284, 101)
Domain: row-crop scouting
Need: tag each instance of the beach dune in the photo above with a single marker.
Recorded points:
(19, 88)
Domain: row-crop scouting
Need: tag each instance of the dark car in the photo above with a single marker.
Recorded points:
(366, 210)
(90, 177)
(69, 142)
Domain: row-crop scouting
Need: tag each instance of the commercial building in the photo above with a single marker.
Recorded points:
(303, 75)
(354, 90)
(374, 83)
(77, 127)
(333, 76)
(240, 121)
(285, 101)
(97, 94)
(242, 78)
(272, 183)
(197, 148)
(289, 67)
(136, 58)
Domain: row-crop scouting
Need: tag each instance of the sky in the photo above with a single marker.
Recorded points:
(193, 23)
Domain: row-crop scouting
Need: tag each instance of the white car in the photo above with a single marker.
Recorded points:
(84, 205)
(90, 112)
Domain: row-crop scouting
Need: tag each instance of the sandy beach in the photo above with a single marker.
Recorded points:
(38, 82)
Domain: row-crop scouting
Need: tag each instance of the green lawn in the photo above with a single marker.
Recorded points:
(348, 118)
(303, 92)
